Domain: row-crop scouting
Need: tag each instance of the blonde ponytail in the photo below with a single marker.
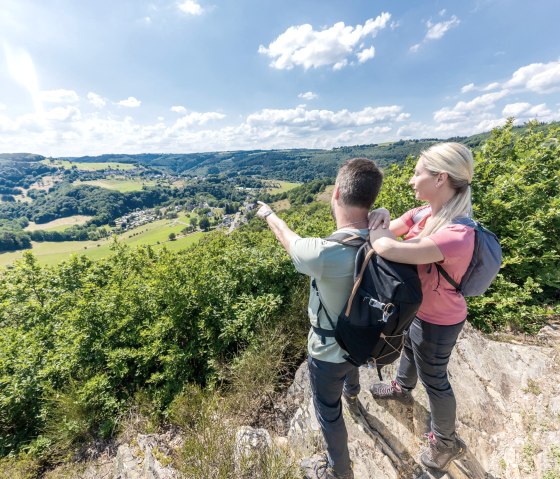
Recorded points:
(457, 161)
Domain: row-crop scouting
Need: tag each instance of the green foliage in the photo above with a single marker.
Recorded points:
(516, 194)
(83, 338)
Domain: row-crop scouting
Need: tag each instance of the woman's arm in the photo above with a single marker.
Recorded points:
(413, 251)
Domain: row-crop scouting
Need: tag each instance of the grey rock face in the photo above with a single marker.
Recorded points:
(143, 461)
(508, 403)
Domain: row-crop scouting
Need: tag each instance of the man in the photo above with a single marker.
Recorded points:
(331, 267)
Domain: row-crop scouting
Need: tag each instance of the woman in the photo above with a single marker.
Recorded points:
(442, 178)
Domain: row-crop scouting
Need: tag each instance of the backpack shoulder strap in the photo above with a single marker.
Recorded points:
(348, 239)
(421, 214)
(460, 220)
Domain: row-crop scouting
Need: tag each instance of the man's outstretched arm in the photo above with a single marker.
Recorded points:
(280, 229)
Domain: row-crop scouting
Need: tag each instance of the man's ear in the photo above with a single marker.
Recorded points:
(336, 192)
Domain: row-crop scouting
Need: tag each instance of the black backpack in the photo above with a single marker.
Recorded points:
(383, 303)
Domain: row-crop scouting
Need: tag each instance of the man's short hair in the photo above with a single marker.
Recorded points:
(359, 181)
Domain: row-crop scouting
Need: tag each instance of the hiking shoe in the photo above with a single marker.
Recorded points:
(318, 467)
(353, 403)
(438, 456)
(391, 391)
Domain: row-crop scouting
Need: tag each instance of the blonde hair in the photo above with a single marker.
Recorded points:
(457, 161)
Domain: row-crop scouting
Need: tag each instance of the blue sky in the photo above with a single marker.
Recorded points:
(132, 76)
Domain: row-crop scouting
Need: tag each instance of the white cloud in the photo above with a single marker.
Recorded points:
(160, 118)
(301, 45)
(190, 7)
(542, 78)
(130, 102)
(59, 96)
(442, 12)
(178, 109)
(524, 111)
(96, 100)
(308, 95)
(63, 113)
(395, 25)
(196, 118)
(300, 117)
(365, 54)
(436, 31)
(463, 110)
(537, 77)
(2, 106)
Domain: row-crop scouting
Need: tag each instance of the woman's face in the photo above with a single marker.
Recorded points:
(423, 182)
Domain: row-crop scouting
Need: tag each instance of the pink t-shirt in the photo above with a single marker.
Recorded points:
(442, 304)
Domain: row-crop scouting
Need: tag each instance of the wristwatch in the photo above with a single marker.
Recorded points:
(268, 213)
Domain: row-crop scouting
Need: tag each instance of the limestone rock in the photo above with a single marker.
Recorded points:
(508, 403)
(144, 460)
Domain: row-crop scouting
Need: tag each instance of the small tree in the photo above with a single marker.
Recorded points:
(204, 223)
(172, 236)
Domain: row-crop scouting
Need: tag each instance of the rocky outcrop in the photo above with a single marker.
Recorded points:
(508, 401)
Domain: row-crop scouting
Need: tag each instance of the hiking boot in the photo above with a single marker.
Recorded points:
(353, 403)
(391, 391)
(318, 467)
(439, 456)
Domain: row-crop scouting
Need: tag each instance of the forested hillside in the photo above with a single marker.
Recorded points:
(84, 342)
(300, 165)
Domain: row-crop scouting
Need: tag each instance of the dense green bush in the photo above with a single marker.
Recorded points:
(92, 334)
(516, 194)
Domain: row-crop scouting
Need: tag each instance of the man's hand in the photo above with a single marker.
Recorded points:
(277, 225)
(264, 210)
(379, 217)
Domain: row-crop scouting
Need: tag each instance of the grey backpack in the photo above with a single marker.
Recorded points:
(485, 262)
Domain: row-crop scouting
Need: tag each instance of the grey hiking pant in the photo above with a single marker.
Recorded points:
(426, 353)
(328, 380)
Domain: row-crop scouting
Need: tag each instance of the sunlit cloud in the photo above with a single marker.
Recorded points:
(59, 96)
(130, 102)
(190, 7)
(436, 31)
(96, 100)
(303, 46)
(308, 96)
(178, 109)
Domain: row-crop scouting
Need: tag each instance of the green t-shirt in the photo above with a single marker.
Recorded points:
(332, 266)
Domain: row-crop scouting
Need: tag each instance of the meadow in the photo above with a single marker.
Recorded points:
(277, 186)
(124, 185)
(155, 234)
(59, 224)
(66, 164)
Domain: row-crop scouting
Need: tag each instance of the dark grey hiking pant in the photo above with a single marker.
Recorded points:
(328, 380)
(426, 353)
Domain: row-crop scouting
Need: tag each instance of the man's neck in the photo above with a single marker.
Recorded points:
(351, 219)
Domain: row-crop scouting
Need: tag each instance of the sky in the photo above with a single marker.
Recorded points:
(182, 76)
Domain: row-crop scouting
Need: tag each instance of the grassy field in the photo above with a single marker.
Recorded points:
(60, 224)
(277, 186)
(124, 185)
(90, 166)
(155, 234)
